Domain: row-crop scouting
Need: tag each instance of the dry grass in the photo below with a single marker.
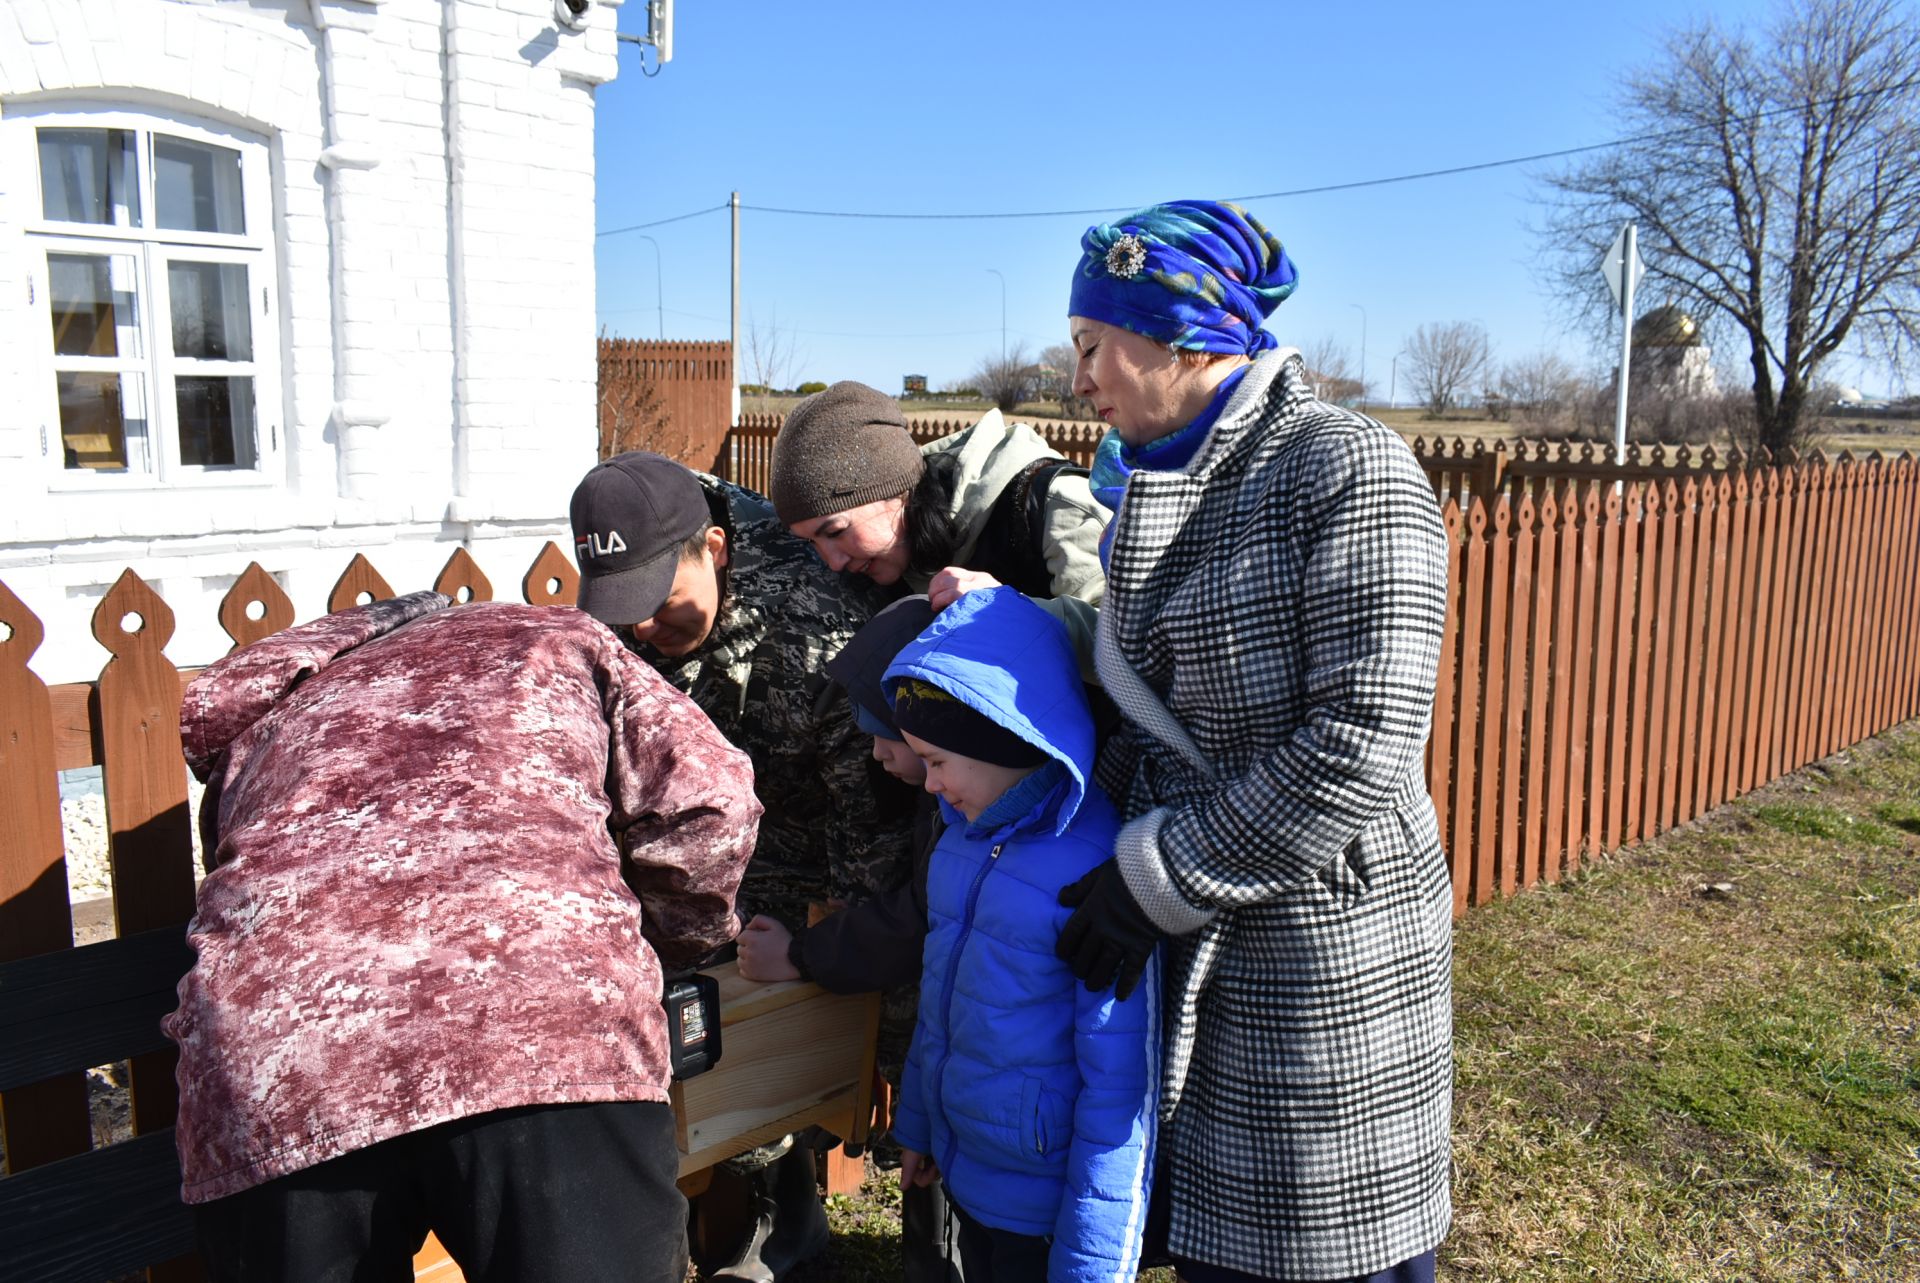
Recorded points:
(1661, 1082)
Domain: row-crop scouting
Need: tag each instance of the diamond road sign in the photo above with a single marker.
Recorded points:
(1622, 256)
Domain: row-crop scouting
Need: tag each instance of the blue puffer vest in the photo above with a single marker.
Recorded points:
(1035, 1097)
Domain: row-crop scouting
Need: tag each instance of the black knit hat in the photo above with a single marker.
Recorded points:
(860, 663)
(926, 712)
(839, 449)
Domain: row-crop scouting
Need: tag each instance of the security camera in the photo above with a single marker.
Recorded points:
(571, 14)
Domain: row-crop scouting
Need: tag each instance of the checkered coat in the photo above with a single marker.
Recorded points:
(1271, 630)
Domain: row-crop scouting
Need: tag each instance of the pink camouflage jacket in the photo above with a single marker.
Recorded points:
(449, 847)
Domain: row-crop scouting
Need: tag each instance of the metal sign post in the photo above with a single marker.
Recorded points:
(1623, 269)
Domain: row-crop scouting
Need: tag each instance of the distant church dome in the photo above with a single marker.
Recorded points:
(1666, 327)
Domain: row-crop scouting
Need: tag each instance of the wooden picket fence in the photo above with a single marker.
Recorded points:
(747, 457)
(1461, 467)
(673, 397)
(1615, 662)
(1620, 661)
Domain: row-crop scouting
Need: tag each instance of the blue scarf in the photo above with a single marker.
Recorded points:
(1114, 461)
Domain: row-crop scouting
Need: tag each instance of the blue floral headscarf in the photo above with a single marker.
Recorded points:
(1195, 274)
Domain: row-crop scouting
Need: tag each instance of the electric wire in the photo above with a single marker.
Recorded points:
(1657, 136)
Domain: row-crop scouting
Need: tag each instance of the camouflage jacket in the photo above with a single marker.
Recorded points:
(445, 846)
(836, 826)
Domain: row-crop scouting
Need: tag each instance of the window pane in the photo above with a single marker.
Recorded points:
(216, 421)
(94, 302)
(103, 421)
(210, 318)
(196, 186)
(87, 176)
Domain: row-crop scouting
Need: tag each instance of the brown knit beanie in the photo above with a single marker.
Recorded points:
(839, 449)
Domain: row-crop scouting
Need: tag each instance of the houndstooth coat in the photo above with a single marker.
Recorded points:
(1271, 630)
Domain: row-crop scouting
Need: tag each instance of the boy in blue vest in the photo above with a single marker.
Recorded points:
(1031, 1097)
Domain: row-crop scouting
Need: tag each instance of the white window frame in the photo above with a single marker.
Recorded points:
(153, 247)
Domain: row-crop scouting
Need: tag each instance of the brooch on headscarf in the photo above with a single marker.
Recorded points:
(1126, 257)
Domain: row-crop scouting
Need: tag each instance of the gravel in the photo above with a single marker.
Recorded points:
(83, 822)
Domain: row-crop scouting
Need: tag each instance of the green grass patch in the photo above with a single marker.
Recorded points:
(1819, 820)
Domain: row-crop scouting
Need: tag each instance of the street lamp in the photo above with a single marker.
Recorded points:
(1393, 383)
(1003, 314)
(1363, 356)
(659, 307)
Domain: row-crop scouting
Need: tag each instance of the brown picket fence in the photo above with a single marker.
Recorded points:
(1616, 661)
(1461, 467)
(747, 457)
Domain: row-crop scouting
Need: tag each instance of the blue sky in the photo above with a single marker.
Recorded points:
(991, 107)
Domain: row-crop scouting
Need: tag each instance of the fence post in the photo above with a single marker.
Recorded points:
(146, 786)
(47, 1120)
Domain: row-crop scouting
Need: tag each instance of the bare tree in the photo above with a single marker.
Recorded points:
(772, 355)
(1445, 361)
(1330, 370)
(1006, 380)
(1058, 363)
(1774, 182)
(1538, 391)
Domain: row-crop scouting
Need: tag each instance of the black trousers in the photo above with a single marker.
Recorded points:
(544, 1194)
(989, 1255)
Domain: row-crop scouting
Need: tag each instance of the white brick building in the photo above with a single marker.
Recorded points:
(285, 280)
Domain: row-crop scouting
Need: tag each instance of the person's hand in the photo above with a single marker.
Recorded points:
(948, 586)
(1109, 939)
(917, 1169)
(763, 951)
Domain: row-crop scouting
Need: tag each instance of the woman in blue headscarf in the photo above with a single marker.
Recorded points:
(1276, 591)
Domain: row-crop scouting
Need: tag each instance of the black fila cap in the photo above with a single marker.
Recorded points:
(630, 516)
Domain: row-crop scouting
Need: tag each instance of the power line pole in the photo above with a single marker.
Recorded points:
(735, 355)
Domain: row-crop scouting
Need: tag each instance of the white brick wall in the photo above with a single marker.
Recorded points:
(432, 172)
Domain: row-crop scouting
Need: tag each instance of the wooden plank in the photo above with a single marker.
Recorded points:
(1769, 607)
(1519, 588)
(358, 580)
(46, 1120)
(255, 590)
(149, 834)
(1624, 510)
(1663, 728)
(1711, 596)
(91, 1005)
(98, 1215)
(783, 1069)
(1493, 683)
(551, 580)
(1585, 510)
(1729, 579)
(1690, 614)
(1536, 790)
(1639, 824)
(462, 579)
(1606, 522)
(1467, 724)
(1565, 686)
(1440, 737)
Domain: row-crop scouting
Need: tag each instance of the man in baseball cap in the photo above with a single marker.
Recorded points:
(649, 551)
(700, 576)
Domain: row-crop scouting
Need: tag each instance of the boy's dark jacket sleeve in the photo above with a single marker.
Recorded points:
(875, 943)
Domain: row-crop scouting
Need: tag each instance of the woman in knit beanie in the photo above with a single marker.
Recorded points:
(992, 504)
(1276, 593)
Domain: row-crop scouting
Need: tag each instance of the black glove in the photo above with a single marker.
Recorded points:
(1109, 938)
